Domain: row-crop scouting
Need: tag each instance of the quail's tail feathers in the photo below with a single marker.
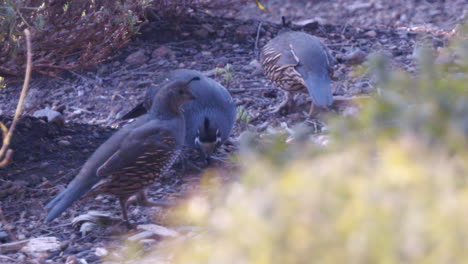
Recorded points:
(66, 198)
(137, 111)
(320, 90)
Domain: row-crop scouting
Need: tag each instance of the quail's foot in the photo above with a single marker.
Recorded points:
(284, 106)
(189, 165)
(128, 225)
(209, 159)
(193, 166)
(186, 164)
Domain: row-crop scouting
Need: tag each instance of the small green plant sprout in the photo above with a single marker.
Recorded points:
(243, 115)
(227, 73)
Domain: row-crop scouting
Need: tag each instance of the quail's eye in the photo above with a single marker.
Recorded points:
(181, 92)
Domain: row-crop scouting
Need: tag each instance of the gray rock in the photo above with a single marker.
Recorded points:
(137, 57)
(64, 143)
(355, 57)
(52, 116)
(220, 33)
(163, 52)
(34, 99)
(257, 67)
(371, 34)
(201, 33)
(208, 28)
(248, 68)
(4, 236)
(206, 53)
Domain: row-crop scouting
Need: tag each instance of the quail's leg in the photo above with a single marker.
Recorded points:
(186, 163)
(123, 206)
(143, 201)
(193, 166)
(312, 109)
(284, 105)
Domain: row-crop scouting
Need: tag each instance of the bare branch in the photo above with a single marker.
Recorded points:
(5, 152)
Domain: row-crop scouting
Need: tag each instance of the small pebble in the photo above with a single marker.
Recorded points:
(371, 34)
(64, 143)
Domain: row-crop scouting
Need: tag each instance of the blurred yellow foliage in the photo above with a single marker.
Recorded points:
(352, 206)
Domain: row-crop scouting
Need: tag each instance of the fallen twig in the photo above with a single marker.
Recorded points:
(256, 52)
(6, 257)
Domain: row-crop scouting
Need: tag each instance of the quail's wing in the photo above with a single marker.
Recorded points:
(277, 54)
(148, 139)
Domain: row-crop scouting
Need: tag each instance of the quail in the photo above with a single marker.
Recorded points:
(135, 156)
(209, 118)
(296, 61)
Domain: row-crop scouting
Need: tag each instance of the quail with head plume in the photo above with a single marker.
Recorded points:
(135, 156)
(295, 61)
(209, 118)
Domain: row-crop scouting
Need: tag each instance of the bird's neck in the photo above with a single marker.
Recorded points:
(165, 109)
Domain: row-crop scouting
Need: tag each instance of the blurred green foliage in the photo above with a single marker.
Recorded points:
(227, 72)
(391, 186)
(243, 115)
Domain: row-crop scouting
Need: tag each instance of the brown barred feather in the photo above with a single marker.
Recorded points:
(284, 76)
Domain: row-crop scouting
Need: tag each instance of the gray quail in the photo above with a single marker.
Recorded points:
(295, 61)
(209, 118)
(135, 156)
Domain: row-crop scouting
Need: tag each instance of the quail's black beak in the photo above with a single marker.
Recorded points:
(206, 149)
(207, 161)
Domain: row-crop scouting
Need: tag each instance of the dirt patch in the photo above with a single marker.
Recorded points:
(433, 14)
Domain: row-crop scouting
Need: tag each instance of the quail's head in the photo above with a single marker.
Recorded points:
(179, 91)
(174, 94)
(207, 139)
